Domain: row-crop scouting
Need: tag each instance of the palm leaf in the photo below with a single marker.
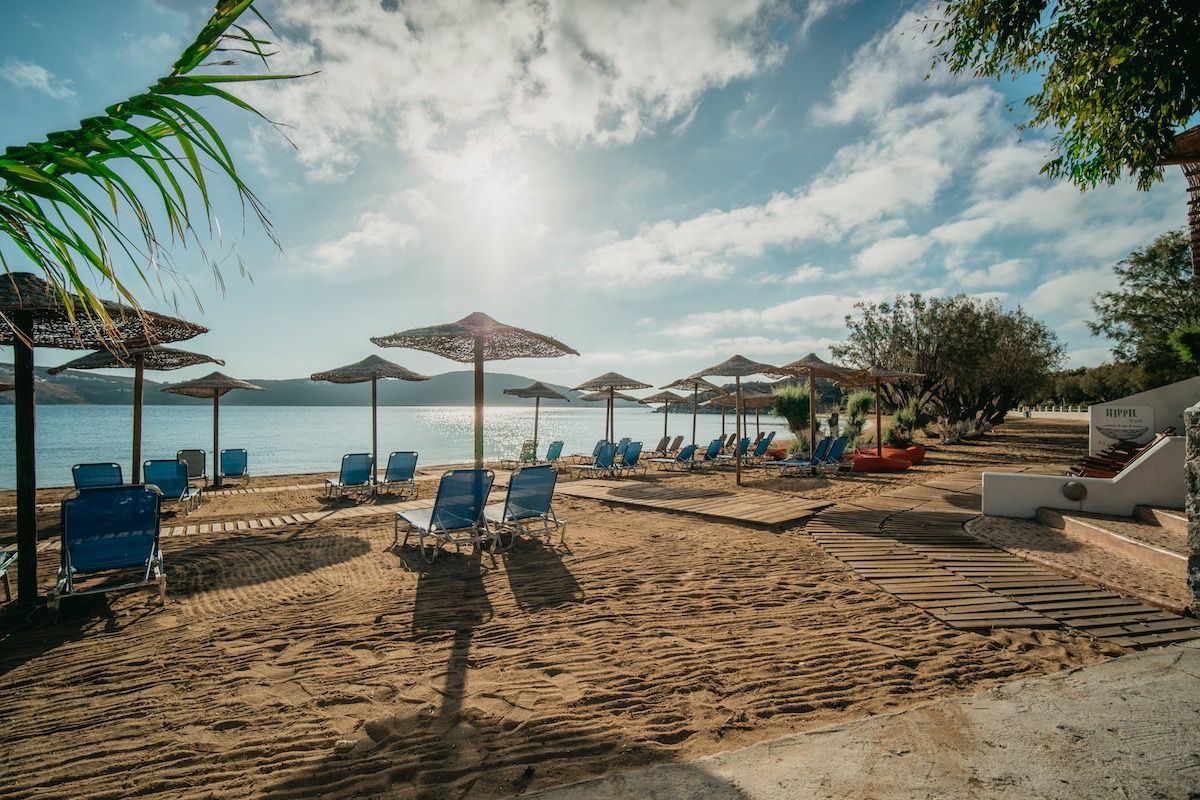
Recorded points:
(47, 216)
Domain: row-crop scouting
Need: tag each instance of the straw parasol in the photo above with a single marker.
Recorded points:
(878, 376)
(666, 398)
(537, 390)
(371, 368)
(750, 400)
(696, 385)
(140, 359)
(212, 385)
(477, 338)
(737, 367)
(34, 314)
(611, 382)
(813, 367)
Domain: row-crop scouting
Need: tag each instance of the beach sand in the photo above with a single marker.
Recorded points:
(312, 661)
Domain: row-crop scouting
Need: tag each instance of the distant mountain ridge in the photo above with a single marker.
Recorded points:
(81, 387)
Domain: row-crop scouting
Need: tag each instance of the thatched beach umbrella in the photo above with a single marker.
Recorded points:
(813, 367)
(477, 338)
(611, 383)
(666, 398)
(878, 376)
(696, 385)
(371, 368)
(738, 367)
(537, 390)
(33, 314)
(212, 385)
(140, 359)
(750, 400)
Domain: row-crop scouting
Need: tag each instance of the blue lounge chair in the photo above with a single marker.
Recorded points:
(759, 456)
(833, 459)
(170, 477)
(197, 468)
(742, 447)
(456, 516)
(604, 464)
(809, 464)
(401, 474)
(354, 477)
(235, 464)
(580, 458)
(554, 453)
(682, 460)
(7, 559)
(526, 508)
(87, 476)
(110, 528)
(710, 455)
(630, 462)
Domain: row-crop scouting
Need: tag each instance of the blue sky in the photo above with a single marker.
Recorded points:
(660, 185)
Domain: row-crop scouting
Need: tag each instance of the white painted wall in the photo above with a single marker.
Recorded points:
(1167, 404)
(1157, 478)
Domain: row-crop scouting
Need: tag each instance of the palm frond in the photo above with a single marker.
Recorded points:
(47, 210)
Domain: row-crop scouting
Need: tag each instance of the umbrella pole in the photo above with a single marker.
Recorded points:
(666, 408)
(612, 414)
(27, 582)
(478, 402)
(139, 366)
(878, 422)
(737, 430)
(537, 406)
(757, 424)
(374, 429)
(216, 430)
(722, 421)
(695, 399)
(812, 413)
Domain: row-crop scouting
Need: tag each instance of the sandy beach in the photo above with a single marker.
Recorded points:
(313, 660)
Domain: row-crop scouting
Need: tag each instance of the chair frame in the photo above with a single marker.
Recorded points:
(245, 473)
(7, 559)
(480, 533)
(203, 476)
(526, 526)
(154, 574)
(407, 486)
(596, 467)
(630, 467)
(528, 455)
(75, 474)
(815, 459)
(678, 461)
(340, 488)
(191, 497)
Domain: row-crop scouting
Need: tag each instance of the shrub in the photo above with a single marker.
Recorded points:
(858, 406)
(798, 447)
(913, 415)
(892, 437)
(791, 403)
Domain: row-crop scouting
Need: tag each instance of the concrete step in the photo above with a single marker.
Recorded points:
(1173, 519)
(1113, 532)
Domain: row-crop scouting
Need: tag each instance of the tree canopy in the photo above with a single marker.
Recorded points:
(978, 360)
(1119, 77)
(1158, 294)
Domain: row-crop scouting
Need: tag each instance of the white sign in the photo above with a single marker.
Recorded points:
(1113, 423)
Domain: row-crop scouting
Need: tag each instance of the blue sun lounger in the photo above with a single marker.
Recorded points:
(833, 459)
(106, 529)
(742, 446)
(554, 453)
(604, 465)
(800, 464)
(629, 463)
(456, 516)
(7, 559)
(170, 477)
(354, 476)
(234, 464)
(682, 460)
(711, 454)
(86, 476)
(401, 474)
(526, 508)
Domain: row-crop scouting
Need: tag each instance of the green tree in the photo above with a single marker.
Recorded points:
(1186, 341)
(1157, 294)
(60, 198)
(1118, 77)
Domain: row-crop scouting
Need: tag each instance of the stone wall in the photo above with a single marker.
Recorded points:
(1192, 422)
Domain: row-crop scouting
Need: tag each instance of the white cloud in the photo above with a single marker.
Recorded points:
(374, 234)
(28, 75)
(464, 81)
(1003, 273)
(1070, 293)
(806, 274)
(891, 254)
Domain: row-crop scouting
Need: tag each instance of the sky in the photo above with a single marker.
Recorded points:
(659, 185)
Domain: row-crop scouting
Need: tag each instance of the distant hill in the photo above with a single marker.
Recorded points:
(81, 387)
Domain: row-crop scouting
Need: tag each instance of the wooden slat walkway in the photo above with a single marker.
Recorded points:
(912, 544)
(744, 505)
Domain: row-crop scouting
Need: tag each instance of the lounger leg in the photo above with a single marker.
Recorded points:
(162, 581)
(7, 588)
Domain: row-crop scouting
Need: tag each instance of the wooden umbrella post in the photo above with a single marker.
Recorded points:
(666, 409)
(537, 407)
(737, 431)
(612, 414)
(878, 422)
(812, 413)
(27, 582)
(722, 422)
(757, 423)
(478, 402)
(216, 444)
(374, 429)
(695, 402)
(139, 366)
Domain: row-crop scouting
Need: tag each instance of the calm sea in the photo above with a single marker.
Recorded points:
(287, 439)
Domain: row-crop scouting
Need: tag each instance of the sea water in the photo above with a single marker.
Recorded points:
(287, 439)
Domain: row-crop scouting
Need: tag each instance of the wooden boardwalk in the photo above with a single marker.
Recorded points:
(912, 544)
(744, 505)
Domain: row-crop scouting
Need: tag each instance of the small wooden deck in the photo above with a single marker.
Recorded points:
(745, 505)
(912, 544)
